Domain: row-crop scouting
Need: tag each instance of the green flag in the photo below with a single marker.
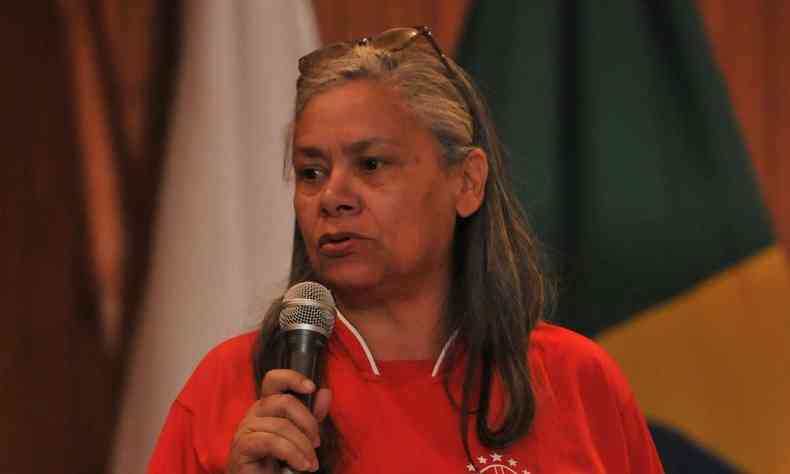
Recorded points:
(622, 144)
(626, 154)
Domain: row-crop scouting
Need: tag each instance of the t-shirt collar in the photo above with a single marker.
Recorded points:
(361, 354)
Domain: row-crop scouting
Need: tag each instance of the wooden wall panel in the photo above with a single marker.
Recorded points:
(123, 58)
(64, 192)
(98, 168)
(779, 117)
(343, 20)
(52, 397)
(749, 41)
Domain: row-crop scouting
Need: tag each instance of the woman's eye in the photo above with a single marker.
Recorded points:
(371, 164)
(309, 174)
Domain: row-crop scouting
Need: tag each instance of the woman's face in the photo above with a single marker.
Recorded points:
(373, 201)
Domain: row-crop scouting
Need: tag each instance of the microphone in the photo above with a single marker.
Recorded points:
(307, 318)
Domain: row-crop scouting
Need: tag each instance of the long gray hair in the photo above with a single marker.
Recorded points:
(497, 292)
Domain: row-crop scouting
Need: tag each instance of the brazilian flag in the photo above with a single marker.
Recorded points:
(626, 154)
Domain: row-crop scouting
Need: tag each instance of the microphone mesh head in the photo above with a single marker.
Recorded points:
(308, 305)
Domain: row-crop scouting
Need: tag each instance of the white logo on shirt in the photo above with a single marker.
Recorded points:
(497, 465)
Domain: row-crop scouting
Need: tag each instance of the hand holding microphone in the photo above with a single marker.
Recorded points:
(284, 424)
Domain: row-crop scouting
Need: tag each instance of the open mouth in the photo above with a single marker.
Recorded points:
(337, 238)
(337, 244)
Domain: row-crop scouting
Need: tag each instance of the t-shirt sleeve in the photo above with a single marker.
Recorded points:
(640, 449)
(643, 457)
(596, 399)
(202, 421)
(175, 452)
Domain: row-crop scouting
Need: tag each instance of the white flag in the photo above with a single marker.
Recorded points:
(223, 234)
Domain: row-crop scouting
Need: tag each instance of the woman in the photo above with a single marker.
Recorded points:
(439, 361)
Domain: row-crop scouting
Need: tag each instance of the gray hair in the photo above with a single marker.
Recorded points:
(422, 82)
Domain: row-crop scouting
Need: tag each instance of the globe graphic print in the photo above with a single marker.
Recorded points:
(496, 463)
(498, 469)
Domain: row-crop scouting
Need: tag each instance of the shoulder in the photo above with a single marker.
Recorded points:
(579, 386)
(236, 350)
(563, 345)
(207, 411)
(228, 366)
(570, 359)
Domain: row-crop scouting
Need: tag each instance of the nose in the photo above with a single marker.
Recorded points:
(339, 196)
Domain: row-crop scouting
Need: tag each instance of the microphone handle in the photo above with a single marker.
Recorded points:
(304, 348)
(304, 361)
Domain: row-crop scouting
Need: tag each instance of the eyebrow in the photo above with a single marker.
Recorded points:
(309, 151)
(362, 145)
(354, 148)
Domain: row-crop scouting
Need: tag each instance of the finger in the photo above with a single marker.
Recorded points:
(285, 429)
(256, 446)
(283, 380)
(283, 405)
(323, 398)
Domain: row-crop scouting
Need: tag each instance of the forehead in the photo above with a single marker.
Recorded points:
(358, 110)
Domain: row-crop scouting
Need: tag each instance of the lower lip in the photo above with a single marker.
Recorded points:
(337, 249)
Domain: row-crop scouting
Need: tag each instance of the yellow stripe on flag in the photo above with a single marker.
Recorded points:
(715, 362)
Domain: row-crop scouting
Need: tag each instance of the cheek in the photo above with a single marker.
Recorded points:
(438, 204)
(303, 217)
(427, 220)
(441, 221)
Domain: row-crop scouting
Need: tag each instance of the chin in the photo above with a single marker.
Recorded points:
(344, 278)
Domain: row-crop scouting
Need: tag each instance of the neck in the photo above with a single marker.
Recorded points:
(403, 327)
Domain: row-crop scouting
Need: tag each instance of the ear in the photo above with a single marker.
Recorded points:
(474, 170)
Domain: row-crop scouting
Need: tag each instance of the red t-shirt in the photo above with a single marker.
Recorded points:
(394, 416)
